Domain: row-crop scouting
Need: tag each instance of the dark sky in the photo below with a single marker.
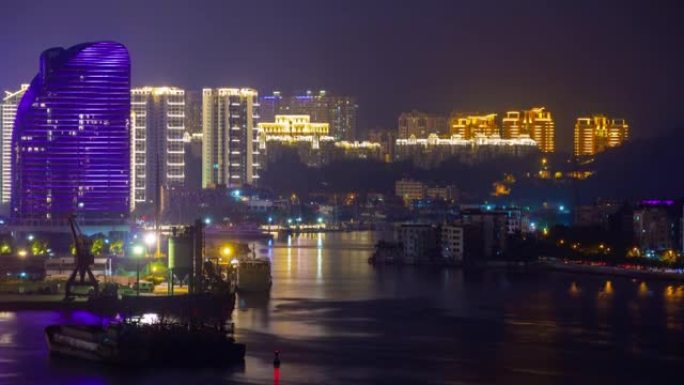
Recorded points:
(625, 58)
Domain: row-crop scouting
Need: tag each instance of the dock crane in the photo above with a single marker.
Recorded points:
(83, 259)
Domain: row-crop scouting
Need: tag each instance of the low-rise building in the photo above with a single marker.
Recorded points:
(409, 190)
(655, 226)
(485, 233)
(452, 242)
(418, 241)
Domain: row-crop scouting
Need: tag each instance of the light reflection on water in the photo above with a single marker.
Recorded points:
(338, 320)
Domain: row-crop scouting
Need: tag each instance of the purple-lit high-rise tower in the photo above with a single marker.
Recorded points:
(71, 142)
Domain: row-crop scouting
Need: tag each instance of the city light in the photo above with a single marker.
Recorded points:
(207, 221)
(138, 250)
(22, 253)
(150, 239)
(226, 251)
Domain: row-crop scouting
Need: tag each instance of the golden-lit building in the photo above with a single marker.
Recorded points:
(598, 133)
(535, 123)
(419, 125)
(294, 125)
(473, 126)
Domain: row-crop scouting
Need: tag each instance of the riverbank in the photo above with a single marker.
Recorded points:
(640, 272)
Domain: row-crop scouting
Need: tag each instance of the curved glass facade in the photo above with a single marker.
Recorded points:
(71, 140)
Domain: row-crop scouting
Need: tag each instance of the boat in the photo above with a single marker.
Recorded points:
(248, 232)
(253, 275)
(137, 344)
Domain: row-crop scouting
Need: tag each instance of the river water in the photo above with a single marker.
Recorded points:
(337, 320)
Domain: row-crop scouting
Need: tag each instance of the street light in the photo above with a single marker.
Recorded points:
(226, 251)
(150, 239)
(138, 252)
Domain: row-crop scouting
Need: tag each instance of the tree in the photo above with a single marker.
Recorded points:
(116, 247)
(39, 247)
(97, 246)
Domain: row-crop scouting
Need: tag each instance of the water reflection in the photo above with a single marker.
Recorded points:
(574, 289)
(338, 320)
(643, 289)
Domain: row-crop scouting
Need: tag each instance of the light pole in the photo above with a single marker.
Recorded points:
(138, 252)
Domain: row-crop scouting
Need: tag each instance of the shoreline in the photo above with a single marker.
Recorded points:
(612, 271)
(547, 266)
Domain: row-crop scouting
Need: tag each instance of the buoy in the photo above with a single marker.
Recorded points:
(276, 359)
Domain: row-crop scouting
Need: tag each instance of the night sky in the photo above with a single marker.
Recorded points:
(625, 58)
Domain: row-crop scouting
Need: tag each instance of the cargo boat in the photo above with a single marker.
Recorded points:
(135, 344)
(254, 275)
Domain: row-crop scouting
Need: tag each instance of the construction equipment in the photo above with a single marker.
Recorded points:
(82, 262)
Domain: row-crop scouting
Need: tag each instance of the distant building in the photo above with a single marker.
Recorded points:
(193, 112)
(655, 226)
(486, 233)
(8, 111)
(292, 126)
(269, 106)
(465, 126)
(71, 143)
(193, 161)
(387, 140)
(452, 242)
(357, 150)
(536, 124)
(446, 193)
(338, 111)
(597, 214)
(230, 153)
(419, 241)
(432, 151)
(409, 190)
(420, 125)
(158, 115)
(598, 133)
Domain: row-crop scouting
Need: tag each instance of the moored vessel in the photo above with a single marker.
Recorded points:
(162, 344)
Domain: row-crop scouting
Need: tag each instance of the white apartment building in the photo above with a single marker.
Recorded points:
(230, 153)
(158, 150)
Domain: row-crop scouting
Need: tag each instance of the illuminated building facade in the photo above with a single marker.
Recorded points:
(8, 112)
(419, 125)
(536, 123)
(432, 151)
(158, 115)
(598, 133)
(338, 111)
(294, 125)
(71, 143)
(474, 126)
(230, 153)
